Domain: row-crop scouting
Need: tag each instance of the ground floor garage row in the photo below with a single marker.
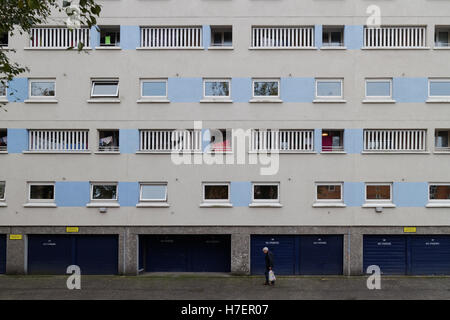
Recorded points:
(299, 254)
(408, 255)
(2, 253)
(185, 253)
(52, 254)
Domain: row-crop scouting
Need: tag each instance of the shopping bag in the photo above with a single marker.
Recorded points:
(272, 276)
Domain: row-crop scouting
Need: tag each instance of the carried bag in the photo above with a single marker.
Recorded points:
(272, 276)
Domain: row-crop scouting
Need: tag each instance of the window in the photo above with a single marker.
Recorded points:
(439, 192)
(218, 140)
(156, 192)
(442, 138)
(3, 39)
(221, 36)
(2, 190)
(332, 140)
(2, 90)
(333, 36)
(156, 88)
(110, 36)
(105, 88)
(439, 88)
(442, 36)
(216, 192)
(216, 88)
(108, 140)
(378, 194)
(329, 194)
(3, 139)
(378, 88)
(41, 192)
(266, 88)
(103, 192)
(266, 192)
(329, 88)
(41, 88)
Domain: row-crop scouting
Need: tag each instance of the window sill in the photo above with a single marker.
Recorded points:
(329, 205)
(278, 48)
(216, 205)
(438, 100)
(378, 205)
(169, 152)
(41, 101)
(437, 205)
(3, 204)
(153, 100)
(282, 152)
(442, 152)
(401, 48)
(333, 152)
(333, 48)
(395, 152)
(329, 101)
(103, 100)
(216, 101)
(3, 152)
(56, 49)
(379, 101)
(39, 205)
(4, 48)
(108, 48)
(103, 205)
(442, 48)
(152, 205)
(265, 205)
(181, 48)
(56, 152)
(3, 100)
(107, 152)
(265, 100)
(221, 48)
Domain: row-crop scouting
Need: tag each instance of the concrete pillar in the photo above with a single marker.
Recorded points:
(16, 255)
(128, 253)
(353, 255)
(240, 254)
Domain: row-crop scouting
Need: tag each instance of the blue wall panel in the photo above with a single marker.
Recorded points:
(297, 89)
(206, 36)
(128, 140)
(17, 140)
(318, 140)
(410, 89)
(410, 194)
(353, 140)
(354, 37)
(18, 90)
(128, 194)
(241, 89)
(318, 35)
(95, 37)
(241, 193)
(185, 89)
(72, 194)
(130, 37)
(354, 194)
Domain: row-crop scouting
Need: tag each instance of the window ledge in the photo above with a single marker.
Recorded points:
(3, 100)
(329, 205)
(4, 152)
(108, 48)
(216, 205)
(144, 100)
(221, 48)
(3, 204)
(41, 101)
(332, 152)
(216, 100)
(395, 152)
(378, 205)
(4, 48)
(379, 101)
(39, 205)
(265, 100)
(437, 205)
(437, 152)
(181, 48)
(103, 100)
(169, 152)
(389, 48)
(278, 48)
(152, 205)
(56, 49)
(107, 152)
(265, 205)
(444, 100)
(103, 205)
(329, 101)
(441, 48)
(333, 48)
(56, 152)
(282, 152)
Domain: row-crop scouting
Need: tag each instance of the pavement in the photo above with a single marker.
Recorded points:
(222, 287)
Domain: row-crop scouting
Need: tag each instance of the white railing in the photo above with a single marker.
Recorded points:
(395, 140)
(170, 140)
(282, 37)
(58, 140)
(59, 37)
(282, 140)
(171, 37)
(395, 37)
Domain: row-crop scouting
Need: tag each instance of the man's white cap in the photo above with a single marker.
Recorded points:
(265, 248)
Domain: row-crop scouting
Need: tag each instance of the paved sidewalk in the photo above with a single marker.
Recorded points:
(188, 286)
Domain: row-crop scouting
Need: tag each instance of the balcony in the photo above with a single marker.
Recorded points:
(59, 38)
(58, 140)
(171, 37)
(163, 141)
(283, 38)
(282, 141)
(395, 37)
(401, 140)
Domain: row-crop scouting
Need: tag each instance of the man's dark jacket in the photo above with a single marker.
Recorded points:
(269, 260)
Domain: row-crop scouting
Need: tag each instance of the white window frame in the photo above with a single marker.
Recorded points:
(380, 201)
(94, 81)
(141, 184)
(329, 30)
(266, 80)
(154, 80)
(437, 201)
(339, 201)
(204, 184)
(222, 29)
(205, 80)
(102, 184)
(265, 200)
(341, 81)
(31, 80)
(3, 199)
(378, 80)
(30, 184)
(429, 88)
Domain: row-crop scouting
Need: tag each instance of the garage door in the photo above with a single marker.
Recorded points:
(305, 254)
(412, 255)
(181, 253)
(52, 254)
(2, 253)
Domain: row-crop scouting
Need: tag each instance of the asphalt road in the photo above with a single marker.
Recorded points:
(185, 286)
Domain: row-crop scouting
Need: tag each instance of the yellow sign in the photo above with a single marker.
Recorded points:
(72, 229)
(409, 229)
(15, 237)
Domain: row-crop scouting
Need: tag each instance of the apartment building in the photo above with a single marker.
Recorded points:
(187, 135)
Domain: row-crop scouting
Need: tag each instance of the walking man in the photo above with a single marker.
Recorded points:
(269, 265)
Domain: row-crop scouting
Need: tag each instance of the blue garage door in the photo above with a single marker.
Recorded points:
(2, 253)
(387, 252)
(181, 253)
(321, 255)
(52, 254)
(282, 248)
(429, 255)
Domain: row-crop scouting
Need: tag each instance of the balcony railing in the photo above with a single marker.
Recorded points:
(282, 140)
(59, 38)
(171, 37)
(170, 140)
(282, 37)
(58, 140)
(395, 140)
(395, 37)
